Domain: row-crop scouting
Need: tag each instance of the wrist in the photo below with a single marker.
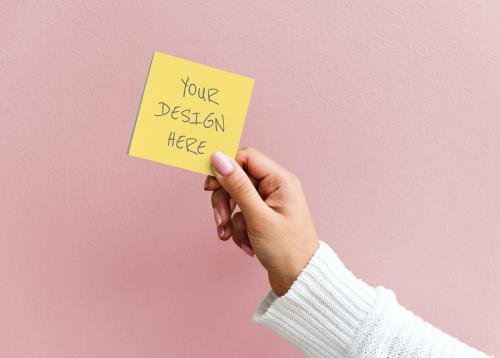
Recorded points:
(281, 283)
(279, 287)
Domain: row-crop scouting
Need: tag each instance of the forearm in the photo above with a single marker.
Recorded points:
(328, 312)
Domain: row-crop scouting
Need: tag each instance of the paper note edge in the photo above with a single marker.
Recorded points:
(208, 66)
(163, 164)
(140, 103)
(245, 115)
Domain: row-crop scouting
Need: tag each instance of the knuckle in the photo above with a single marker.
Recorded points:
(251, 150)
(297, 181)
(242, 151)
(293, 180)
(248, 150)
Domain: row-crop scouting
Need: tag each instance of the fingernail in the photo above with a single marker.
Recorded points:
(221, 163)
(248, 250)
(206, 183)
(232, 204)
(218, 219)
(220, 231)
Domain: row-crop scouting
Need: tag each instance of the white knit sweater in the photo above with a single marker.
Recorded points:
(328, 312)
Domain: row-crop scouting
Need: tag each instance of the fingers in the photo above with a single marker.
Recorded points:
(265, 174)
(270, 175)
(220, 204)
(223, 207)
(211, 183)
(238, 185)
(228, 227)
(240, 236)
(256, 164)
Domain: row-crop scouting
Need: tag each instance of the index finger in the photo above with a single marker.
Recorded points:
(256, 164)
(212, 183)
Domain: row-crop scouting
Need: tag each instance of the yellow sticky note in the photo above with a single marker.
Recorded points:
(188, 111)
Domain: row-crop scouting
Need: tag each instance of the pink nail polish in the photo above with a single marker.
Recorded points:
(220, 231)
(221, 163)
(248, 250)
(218, 219)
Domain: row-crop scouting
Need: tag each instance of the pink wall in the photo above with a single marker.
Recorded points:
(389, 111)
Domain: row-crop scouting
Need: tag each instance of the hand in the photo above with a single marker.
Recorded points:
(274, 223)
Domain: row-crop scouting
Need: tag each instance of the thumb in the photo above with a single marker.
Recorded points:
(236, 182)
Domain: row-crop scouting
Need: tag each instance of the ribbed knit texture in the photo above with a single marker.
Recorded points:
(328, 312)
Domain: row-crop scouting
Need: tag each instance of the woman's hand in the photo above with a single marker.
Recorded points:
(274, 222)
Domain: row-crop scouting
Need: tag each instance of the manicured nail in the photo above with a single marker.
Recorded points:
(221, 163)
(220, 231)
(218, 219)
(206, 183)
(248, 250)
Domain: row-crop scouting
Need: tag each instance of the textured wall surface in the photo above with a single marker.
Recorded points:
(389, 111)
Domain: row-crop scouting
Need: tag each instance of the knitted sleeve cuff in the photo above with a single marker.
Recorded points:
(324, 308)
